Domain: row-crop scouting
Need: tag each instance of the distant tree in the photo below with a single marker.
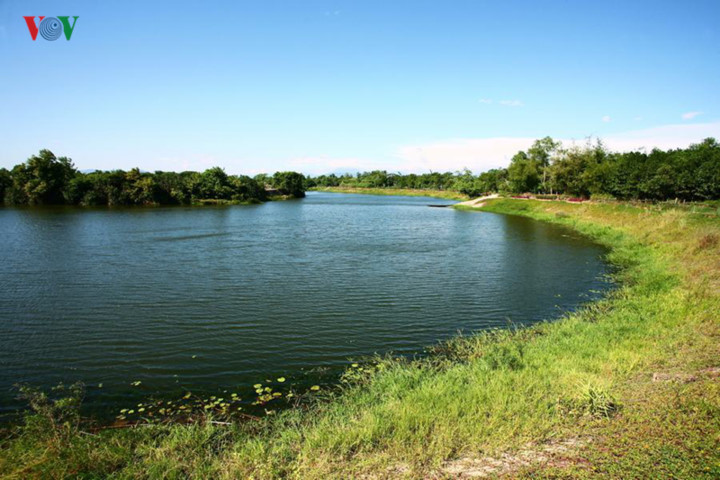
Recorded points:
(331, 180)
(171, 189)
(581, 171)
(290, 183)
(247, 189)
(41, 180)
(703, 160)
(689, 174)
(263, 179)
(5, 183)
(523, 174)
(214, 184)
(495, 180)
(466, 183)
(374, 179)
(78, 189)
(542, 152)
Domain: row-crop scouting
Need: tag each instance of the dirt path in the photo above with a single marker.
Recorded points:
(478, 202)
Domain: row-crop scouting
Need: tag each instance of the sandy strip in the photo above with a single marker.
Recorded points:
(475, 202)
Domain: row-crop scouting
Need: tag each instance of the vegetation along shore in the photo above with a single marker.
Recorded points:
(45, 179)
(627, 387)
(546, 170)
(550, 168)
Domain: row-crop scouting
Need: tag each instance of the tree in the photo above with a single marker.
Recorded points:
(5, 183)
(214, 184)
(466, 183)
(246, 189)
(523, 174)
(495, 180)
(580, 171)
(705, 158)
(290, 183)
(263, 179)
(41, 180)
(542, 152)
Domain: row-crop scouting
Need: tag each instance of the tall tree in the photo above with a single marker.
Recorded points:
(42, 179)
(523, 174)
(542, 152)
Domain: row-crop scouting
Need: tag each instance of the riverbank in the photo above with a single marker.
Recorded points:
(624, 388)
(408, 192)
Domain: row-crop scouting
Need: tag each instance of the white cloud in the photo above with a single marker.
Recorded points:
(664, 137)
(511, 103)
(485, 101)
(606, 118)
(318, 165)
(481, 154)
(477, 154)
(690, 115)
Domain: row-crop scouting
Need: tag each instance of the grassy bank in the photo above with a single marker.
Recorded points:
(408, 192)
(624, 388)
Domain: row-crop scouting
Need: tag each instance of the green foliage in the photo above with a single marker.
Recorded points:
(579, 171)
(542, 151)
(289, 183)
(406, 192)
(45, 179)
(5, 183)
(42, 180)
(383, 179)
(474, 186)
(686, 174)
(214, 184)
(523, 174)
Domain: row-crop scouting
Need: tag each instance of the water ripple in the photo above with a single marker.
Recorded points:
(210, 299)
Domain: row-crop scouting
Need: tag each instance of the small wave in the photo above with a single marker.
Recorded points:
(191, 237)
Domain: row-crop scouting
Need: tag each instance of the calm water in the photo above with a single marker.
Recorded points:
(206, 299)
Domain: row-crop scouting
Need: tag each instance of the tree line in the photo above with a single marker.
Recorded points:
(587, 170)
(547, 167)
(45, 179)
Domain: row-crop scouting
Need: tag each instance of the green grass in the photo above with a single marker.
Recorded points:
(587, 376)
(407, 192)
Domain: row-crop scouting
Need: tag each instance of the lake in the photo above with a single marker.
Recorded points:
(207, 299)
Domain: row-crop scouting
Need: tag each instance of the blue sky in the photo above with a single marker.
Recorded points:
(328, 86)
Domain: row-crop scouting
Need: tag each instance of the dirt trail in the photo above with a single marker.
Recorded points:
(478, 202)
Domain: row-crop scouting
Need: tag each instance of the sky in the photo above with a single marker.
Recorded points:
(346, 86)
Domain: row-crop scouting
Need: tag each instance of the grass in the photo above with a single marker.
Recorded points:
(587, 376)
(407, 192)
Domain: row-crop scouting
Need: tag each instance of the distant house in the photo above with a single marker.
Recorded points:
(271, 190)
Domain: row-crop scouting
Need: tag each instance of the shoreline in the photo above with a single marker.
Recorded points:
(402, 192)
(589, 386)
